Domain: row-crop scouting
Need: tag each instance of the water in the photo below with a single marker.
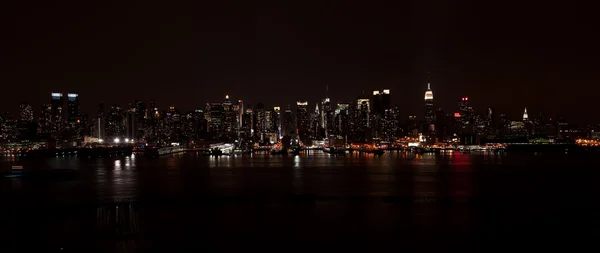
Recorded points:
(315, 201)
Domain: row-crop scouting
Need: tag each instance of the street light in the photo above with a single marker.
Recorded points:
(100, 140)
(117, 140)
(126, 139)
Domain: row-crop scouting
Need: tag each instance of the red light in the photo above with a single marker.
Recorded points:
(457, 115)
(466, 99)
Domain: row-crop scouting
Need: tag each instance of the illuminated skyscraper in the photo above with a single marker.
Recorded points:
(429, 111)
(289, 128)
(57, 103)
(215, 118)
(228, 117)
(26, 112)
(27, 128)
(276, 121)
(116, 126)
(302, 118)
(259, 121)
(525, 116)
(247, 123)
(380, 102)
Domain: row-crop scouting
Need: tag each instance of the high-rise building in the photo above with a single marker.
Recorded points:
(215, 118)
(116, 127)
(100, 123)
(302, 118)
(57, 102)
(26, 112)
(74, 109)
(27, 128)
(289, 128)
(276, 121)
(45, 120)
(247, 123)
(229, 124)
(466, 116)
(380, 102)
(238, 111)
(525, 116)
(363, 110)
(429, 110)
(74, 119)
(131, 124)
(259, 121)
(342, 119)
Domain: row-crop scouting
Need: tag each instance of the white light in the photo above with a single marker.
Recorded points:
(386, 91)
(116, 140)
(72, 95)
(301, 103)
(55, 94)
(126, 139)
(100, 140)
(375, 92)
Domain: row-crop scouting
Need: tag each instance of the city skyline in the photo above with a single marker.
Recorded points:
(198, 52)
(420, 113)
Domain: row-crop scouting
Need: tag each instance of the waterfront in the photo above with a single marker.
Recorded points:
(467, 202)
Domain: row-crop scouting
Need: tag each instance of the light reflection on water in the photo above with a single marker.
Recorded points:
(395, 173)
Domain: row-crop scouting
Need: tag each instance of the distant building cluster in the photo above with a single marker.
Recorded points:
(365, 119)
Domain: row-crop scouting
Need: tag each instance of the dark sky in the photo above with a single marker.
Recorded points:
(503, 54)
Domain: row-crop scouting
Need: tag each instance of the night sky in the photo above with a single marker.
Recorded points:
(507, 54)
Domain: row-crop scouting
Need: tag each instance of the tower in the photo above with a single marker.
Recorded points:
(429, 112)
(525, 116)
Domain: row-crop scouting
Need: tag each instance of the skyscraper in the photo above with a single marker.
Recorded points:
(215, 118)
(228, 117)
(276, 121)
(302, 118)
(116, 127)
(57, 103)
(525, 116)
(288, 122)
(26, 112)
(74, 119)
(73, 108)
(247, 123)
(27, 128)
(429, 111)
(380, 102)
(259, 121)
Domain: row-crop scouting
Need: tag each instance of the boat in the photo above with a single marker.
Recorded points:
(238, 151)
(154, 152)
(334, 150)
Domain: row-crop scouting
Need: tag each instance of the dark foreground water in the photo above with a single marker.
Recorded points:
(316, 202)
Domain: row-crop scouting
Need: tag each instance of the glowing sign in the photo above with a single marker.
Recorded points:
(457, 115)
(413, 144)
(386, 91)
(55, 94)
(375, 92)
(72, 95)
(305, 103)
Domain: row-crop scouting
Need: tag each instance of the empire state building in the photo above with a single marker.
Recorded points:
(429, 112)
